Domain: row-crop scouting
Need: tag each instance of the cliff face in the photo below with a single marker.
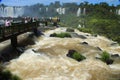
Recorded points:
(40, 10)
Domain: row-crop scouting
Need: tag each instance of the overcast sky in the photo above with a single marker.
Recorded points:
(46, 2)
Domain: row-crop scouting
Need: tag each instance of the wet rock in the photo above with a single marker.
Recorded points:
(70, 30)
(61, 35)
(99, 48)
(114, 44)
(81, 36)
(115, 55)
(95, 35)
(53, 35)
(20, 49)
(37, 32)
(78, 36)
(5, 63)
(97, 58)
(84, 43)
(75, 55)
(34, 50)
(70, 53)
(1, 58)
(109, 61)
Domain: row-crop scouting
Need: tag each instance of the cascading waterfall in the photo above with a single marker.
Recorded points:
(46, 9)
(60, 10)
(11, 11)
(118, 11)
(18, 11)
(84, 11)
(78, 12)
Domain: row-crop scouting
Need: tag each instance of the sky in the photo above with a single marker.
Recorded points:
(46, 2)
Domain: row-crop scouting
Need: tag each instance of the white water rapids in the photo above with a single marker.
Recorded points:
(50, 62)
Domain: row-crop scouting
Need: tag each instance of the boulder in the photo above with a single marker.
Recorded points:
(70, 53)
(109, 61)
(75, 55)
(78, 36)
(84, 43)
(20, 49)
(114, 44)
(99, 48)
(70, 30)
(115, 55)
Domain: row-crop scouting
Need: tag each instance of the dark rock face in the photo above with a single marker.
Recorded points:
(37, 32)
(34, 50)
(109, 61)
(81, 36)
(99, 48)
(53, 35)
(70, 53)
(78, 36)
(84, 43)
(20, 49)
(70, 30)
(114, 44)
(95, 35)
(8, 54)
(75, 55)
(61, 35)
(115, 55)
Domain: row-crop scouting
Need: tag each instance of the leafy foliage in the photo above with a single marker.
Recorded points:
(70, 30)
(77, 56)
(105, 57)
(7, 75)
(61, 35)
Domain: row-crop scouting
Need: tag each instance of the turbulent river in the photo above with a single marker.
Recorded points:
(47, 60)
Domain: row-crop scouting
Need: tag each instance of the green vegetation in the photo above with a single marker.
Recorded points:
(99, 19)
(61, 35)
(70, 30)
(77, 56)
(105, 57)
(7, 75)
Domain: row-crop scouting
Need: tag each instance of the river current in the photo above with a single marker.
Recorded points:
(47, 60)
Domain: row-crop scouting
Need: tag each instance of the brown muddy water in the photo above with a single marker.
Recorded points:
(48, 61)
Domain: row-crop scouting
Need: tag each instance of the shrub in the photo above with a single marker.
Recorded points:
(87, 30)
(70, 30)
(105, 57)
(61, 35)
(75, 55)
(53, 35)
(7, 75)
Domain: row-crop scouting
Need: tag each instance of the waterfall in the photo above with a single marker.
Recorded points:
(46, 9)
(78, 12)
(118, 11)
(18, 11)
(40, 9)
(11, 11)
(60, 10)
(84, 11)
